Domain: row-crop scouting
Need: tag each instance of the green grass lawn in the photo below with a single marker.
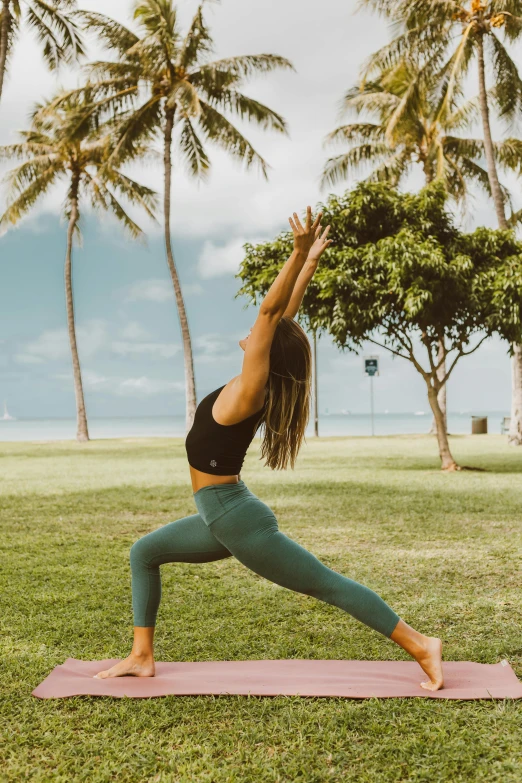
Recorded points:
(443, 550)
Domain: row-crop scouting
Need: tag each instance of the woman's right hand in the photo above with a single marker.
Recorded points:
(304, 236)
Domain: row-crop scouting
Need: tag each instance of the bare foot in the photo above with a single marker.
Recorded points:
(430, 661)
(134, 666)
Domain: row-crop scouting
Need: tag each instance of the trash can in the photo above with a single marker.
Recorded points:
(479, 425)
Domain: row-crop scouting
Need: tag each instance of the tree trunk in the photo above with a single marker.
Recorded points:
(190, 383)
(82, 432)
(4, 39)
(496, 192)
(515, 427)
(516, 378)
(442, 395)
(447, 461)
(316, 390)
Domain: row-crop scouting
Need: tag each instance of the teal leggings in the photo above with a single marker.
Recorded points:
(233, 521)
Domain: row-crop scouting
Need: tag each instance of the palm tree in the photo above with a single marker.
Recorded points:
(414, 125)
(52, 21)
(168, 87)
(65, 143)
(465, 28)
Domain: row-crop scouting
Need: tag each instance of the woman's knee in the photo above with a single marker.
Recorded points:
(141, 552)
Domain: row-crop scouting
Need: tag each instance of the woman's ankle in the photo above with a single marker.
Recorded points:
(409, 639)
(143, 644)
(142, 654)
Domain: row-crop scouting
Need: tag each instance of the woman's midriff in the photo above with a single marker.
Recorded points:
(200, 479)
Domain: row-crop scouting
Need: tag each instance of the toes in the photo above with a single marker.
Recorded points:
(431, 686)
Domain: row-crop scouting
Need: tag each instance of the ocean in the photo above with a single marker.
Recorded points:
(172, 427)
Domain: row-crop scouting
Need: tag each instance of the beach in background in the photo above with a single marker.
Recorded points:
(357, 424)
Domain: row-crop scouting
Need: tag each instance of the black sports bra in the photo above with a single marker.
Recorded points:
(215, 448)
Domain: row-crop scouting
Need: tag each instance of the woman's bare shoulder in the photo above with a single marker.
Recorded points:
(233, 404)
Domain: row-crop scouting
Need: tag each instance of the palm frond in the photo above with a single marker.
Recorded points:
(234, 69)
(102, 199)
(512, 27)
(135, 128)
(463, 116)
(198, 43)
(356, 133)
(158, 20)
(392, 169)
(340, 167)
(113, 34)
(420, 43)
(135, 193)
(21, 177)
(508, 84)
(511, 10)
(470, 170)
(24, 150)
(185, 96)
(116, 74)
(250, 109)
(370, 98)
(58, 32)
(454, 71)
(219, 130)
(509, 154)
(101, 101)
(193, 153)
(515, 219)
(418, 13)
(476, 173)
(466, 148)
(410, 99)
(21, 204)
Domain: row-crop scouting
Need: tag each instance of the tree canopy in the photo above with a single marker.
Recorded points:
(401, 274)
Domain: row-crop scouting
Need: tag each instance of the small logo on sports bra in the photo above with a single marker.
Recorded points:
(213, 463)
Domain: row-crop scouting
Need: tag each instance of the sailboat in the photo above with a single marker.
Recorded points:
(7, 416)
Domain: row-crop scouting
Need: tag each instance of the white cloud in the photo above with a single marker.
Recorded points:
(192, 289)
(124, 387)
(158, 290)
(214, 347)
(93, 338)
(144, 387)
(160, 350)
(27, 358)
(153, 290)
(216, 260)
(53, 344)
(134, 331)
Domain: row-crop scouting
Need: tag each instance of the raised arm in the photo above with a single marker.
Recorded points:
(256, 362)
(245, 394)
(308, 271)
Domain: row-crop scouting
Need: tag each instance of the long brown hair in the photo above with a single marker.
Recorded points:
(289, 393)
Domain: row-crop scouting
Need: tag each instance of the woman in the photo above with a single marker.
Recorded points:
(273, 389)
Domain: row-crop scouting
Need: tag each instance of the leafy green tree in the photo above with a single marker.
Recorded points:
(65, 144)
(177, 93)
(413, 126)
(54, 23)
(402, 276)
(468, 31)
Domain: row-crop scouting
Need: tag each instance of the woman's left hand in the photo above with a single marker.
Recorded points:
(320, 244)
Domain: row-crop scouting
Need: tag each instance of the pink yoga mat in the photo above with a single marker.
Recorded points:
(351, 679)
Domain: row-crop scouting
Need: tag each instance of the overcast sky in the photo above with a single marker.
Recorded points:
(127, 325)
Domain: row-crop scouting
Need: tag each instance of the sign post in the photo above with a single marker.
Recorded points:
(371, 368)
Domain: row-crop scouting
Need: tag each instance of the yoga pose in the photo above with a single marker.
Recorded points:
(272, 390)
